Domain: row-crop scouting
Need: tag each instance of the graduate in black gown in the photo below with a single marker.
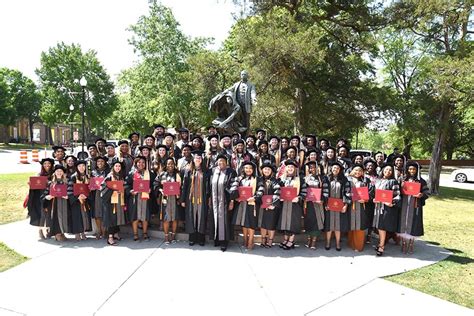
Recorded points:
(36, 212)
(113, 203)
(79, 205)
(97, 205)
(195, 192)
(245, 211)
(291, 211)
(263, 155)
(268, 184)
(370, 168)
(411, 216)
(239, 156)
(221, 180)
(336, 186)
(213, 150)
(386, 214)
(139, 203)
(57, 207)
(314, 215)
(171, 211)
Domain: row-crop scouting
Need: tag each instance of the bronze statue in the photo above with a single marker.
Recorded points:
(234, 105)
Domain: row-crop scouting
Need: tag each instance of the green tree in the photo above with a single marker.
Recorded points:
(447, 27)
(158, 88)
(61, 68)
(22, 96)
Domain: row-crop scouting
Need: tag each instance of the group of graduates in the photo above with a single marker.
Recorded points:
(210, 172)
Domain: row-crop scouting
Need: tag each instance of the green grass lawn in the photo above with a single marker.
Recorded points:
(13, 189)
(449, 222)
(14, 146)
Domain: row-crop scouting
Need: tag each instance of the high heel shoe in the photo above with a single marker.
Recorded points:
(379, 251)
(146, 237)
(308, 242)
(313, 244)
(289, 245)
(135, 237)
(283, 244)
(263, 244)
(111, 243)
(269, 243)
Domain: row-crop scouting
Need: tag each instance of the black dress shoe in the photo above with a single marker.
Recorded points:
(201, 244)
(223, 249)
(191, 243)
(216, 243)
(327, 247)
(338, 249)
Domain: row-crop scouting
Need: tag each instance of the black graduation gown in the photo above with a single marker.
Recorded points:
(219, 217)
(268, 219)
(201, 210)
(165, 203)
(244, 214)
(58, 210)
(411, 215)
(38, 217)
(133, 202)
(113, 215)
(314, 219)
(358, 218)
(291, 213)
(337, 221)
(80, 216)
(385, 217)
(96, 203)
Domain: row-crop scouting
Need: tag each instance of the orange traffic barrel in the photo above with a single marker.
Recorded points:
(24, 157)
(35, 155)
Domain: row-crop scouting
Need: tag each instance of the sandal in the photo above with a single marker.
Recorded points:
(289, 245)
(167, 239)
(173, 238)
(83, 236)
(283, 244)
(379, 251)
(78, 237)
(308, 242)
(404, 245)
(146, 237)
(263, 244)
(269, 243)
(111, 243)
(135, 237)
(411, 246)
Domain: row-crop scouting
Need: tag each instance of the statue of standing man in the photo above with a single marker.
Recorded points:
(245, 95)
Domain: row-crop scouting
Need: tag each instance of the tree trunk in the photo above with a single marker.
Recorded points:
(299, 101)
(30, 126)
(437, 153)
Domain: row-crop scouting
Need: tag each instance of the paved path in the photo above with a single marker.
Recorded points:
(142, 278)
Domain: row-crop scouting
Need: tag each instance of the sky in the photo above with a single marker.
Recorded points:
(29, 27)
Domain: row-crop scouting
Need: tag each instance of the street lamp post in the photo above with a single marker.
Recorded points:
(83, 83)
(71, 108)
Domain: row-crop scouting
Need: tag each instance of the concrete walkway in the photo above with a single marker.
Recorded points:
(143, 278)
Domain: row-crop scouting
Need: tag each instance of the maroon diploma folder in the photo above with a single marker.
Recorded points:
(411, 188)
(80, 188)
(58, 190)
(335, 205)
(313, 195)
(95, 183)
(115, 185)
(383, 196)
(141, 185)
(288, 193)
(267, 201)
(38, 183)
(171, 188)
(245, 193)
(361, 193)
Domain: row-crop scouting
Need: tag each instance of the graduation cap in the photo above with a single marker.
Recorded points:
(343, 146)
(197, 137)
(253, 137)
(140, 148)
(133, 133)
(82, 155)
(51, 160)
(216, 136)
(312, 162)
(110, 145)
(197, 153)
(80, 162)
(225, 136)
(221, 156)
(210, 126)
(91, 145)
(296, 137)
(100, 139)
(249, 163)
(123, 141)
(167, 134)
(369, 161)
(170, 158)
(187, 146)
(138, 158)
(292, 147)
(159, 125)
(149, 136)
(183, 130)
(262, 142)
(70, 156)
(56, 167)
(161, 146)
(274, 137)
(239, 141)
(260, 130)
(268, 164)
(291, 162)
(55, 148)
(336, 163)
(100, 158)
